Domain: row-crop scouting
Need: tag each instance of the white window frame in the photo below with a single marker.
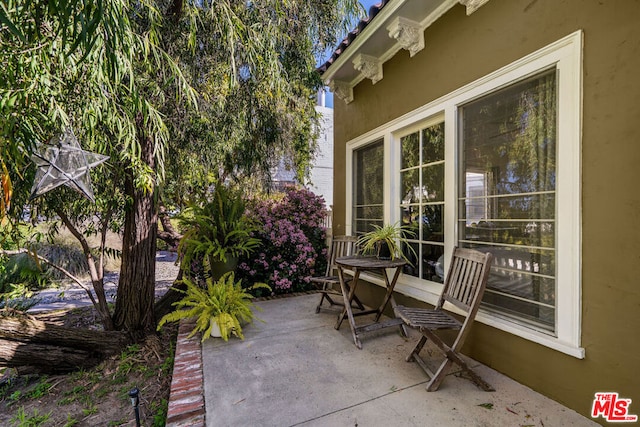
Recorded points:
(566, 55)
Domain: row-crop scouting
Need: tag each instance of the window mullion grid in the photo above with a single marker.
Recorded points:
(420, 183)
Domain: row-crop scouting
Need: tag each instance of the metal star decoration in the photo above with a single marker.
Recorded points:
(64, 162)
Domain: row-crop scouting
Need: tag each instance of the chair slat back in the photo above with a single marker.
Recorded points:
(466, 280)
(340, 246)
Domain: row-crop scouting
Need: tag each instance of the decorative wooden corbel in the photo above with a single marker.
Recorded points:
(408, 33)
(342, 90)
(369, 66)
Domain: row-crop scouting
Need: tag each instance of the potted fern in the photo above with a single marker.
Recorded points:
(386, 241)
(219, 310)
(217, 234)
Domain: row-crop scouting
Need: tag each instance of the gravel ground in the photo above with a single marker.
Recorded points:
(73, 296)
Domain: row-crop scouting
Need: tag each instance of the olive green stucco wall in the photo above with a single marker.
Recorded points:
(460, 49)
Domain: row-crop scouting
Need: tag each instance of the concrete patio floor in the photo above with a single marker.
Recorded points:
(295, 369)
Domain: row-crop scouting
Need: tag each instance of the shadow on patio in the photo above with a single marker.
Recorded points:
(296, 369)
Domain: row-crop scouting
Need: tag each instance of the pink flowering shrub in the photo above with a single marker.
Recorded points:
(293, 241)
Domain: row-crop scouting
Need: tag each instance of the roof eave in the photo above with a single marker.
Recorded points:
(397, 24)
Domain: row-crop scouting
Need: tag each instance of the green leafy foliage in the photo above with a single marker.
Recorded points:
(390, 234)
(293, 241)
(85, 65)
(254, 65)
(223, 85)
(159, 410)
(42, 388)
(35, 419)
(223, 301)
(22, 269)
(71, 421)
(217, 231)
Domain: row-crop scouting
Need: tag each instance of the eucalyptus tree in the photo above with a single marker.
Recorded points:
(253, 65)
(96, 67)
(121, 73)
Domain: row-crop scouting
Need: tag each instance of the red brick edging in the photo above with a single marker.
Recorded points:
(186, 398)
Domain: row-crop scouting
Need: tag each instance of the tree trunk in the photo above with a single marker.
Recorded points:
(134, 305)
(47, 348)
(96, 272)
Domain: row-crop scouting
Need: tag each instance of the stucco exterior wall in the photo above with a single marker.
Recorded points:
(460, 49)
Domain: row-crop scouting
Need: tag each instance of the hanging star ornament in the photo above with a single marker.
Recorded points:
(63, 162)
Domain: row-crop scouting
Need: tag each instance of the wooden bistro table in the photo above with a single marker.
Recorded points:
(358, 264)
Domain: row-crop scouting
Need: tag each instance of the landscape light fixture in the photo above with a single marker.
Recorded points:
(135, 401)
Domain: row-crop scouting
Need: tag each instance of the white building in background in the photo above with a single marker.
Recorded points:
(321, 173)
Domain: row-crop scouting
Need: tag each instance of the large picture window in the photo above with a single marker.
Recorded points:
(422, 204)
(368, 188)
(507, 191)
(495, 166)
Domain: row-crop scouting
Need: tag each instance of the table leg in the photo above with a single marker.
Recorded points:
(348, 297)
(389, 295)
(388, 298)
(345, 298)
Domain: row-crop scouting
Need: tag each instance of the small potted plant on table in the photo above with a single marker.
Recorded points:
(386, 241)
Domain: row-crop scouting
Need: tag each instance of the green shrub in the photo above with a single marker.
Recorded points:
(21, 269)
(216, 232)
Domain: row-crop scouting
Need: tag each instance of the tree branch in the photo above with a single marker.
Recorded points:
(48, 262)
(103, 239)
(96, 280)
(168, 234)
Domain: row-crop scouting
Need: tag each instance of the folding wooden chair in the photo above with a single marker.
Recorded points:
(463, 287)
(330, 283)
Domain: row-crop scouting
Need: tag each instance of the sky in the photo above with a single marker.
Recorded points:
(366, 4)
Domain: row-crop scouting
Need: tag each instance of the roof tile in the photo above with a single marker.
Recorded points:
(373, 11)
